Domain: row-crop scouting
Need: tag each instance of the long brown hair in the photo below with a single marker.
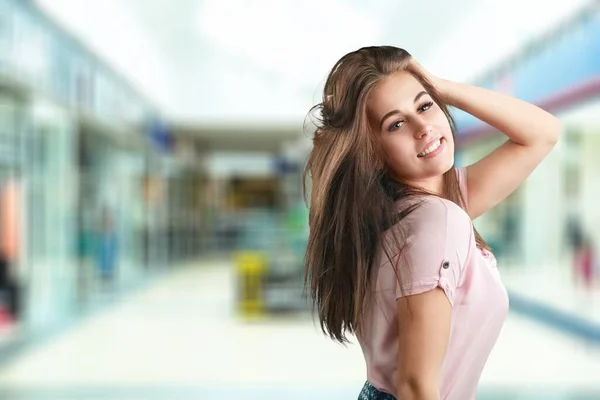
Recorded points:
(353, 198)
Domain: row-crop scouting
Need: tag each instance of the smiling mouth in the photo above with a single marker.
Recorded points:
(432, 147)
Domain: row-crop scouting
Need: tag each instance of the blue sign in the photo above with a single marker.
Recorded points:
(160, 135)
(282, 166)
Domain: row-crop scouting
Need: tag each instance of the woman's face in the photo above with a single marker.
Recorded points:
(415, 132)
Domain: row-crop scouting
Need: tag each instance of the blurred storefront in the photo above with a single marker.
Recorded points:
(561, 72)
(78, 174)
(48, 173)
(111, 206)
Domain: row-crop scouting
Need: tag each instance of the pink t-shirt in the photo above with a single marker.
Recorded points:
(442, 253)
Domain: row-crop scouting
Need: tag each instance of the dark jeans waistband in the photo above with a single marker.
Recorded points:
(370, 392)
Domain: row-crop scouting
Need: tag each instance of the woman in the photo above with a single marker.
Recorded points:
(392, 255)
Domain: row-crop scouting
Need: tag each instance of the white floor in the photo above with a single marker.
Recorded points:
(556, 287)
(181, 336)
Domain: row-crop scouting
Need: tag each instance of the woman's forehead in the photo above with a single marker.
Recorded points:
(396, 91)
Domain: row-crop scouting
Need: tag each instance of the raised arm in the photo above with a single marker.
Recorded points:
(531, 131)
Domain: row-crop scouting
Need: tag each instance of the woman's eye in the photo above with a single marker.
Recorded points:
(426, 106)
(396, 125)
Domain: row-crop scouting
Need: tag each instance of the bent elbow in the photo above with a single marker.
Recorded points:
(556, 131)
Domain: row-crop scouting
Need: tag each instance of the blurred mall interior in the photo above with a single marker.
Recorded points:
(152, 220)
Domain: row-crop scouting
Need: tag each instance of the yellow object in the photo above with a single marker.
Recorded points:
(251, 270)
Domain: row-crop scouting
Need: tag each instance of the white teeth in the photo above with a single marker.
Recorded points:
(431, 148)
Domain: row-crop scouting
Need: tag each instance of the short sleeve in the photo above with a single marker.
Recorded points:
(439, 236)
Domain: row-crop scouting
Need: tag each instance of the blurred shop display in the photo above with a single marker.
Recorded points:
(270, 264)
(271, 230)
(251, 268)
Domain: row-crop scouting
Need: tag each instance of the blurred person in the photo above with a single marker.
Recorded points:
(583, 254)
(575, 239)
(585, 263)
(6, 284)
(107, 250)
(10, 293)
(574, 232)
(392, 254)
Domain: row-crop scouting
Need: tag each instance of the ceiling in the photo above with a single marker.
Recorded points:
(233, 67)
(267, 138)
(265, 59)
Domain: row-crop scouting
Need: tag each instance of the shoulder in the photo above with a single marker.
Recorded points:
(434, 222)
(435, 213)
(437, 226)
(437, 243)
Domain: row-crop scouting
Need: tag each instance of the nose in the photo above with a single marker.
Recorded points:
(423, 131)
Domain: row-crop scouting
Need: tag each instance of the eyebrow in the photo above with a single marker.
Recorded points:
(386, 116)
